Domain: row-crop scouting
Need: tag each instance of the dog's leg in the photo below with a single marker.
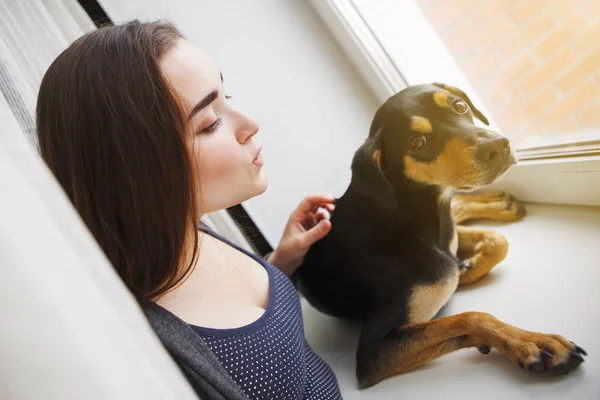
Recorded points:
(485, 197)
(480, 250)
(497, 206)
(413, 345)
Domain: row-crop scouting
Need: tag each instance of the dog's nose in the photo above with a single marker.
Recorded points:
(496, 148)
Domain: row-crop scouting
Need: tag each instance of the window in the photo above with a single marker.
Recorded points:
(532, 66)
(535, 63)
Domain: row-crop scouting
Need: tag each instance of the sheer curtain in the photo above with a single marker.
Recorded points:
(32, 34)
(69, 328)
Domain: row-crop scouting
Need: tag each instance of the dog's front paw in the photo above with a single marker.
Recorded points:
(543, 353)
(513, 210)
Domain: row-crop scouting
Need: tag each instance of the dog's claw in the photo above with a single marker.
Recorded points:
(578, 356)
(483, 349)
(546, 354)
(521, 365)
(466, 264)
(579, 349)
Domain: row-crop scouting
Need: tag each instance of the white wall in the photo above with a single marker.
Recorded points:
(282, 67)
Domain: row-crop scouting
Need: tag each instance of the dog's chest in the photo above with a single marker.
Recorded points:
(453, 246)
(447, 232)
(427, 300)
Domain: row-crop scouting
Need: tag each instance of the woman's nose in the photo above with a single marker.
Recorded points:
(247, 128)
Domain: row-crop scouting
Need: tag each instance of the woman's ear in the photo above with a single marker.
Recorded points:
(368, 178)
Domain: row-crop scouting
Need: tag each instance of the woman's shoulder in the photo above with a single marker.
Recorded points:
(201, 367)
(203, 227)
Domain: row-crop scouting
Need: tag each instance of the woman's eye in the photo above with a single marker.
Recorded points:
(213, 127)
(418, 141)
(460, 107)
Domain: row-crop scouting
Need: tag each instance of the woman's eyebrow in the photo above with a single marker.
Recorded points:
(212, 96)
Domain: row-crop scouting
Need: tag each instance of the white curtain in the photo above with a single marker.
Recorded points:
(32, 34)
(69, 327)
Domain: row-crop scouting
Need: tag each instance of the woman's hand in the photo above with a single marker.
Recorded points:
(307, 224)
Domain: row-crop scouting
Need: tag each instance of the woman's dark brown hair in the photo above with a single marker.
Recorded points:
(113, 133)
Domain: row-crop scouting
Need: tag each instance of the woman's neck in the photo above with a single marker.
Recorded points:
(191, 247)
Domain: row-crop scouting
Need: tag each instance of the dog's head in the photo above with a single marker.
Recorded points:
(423, 136)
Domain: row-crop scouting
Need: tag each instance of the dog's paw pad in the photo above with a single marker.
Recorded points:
(537, 366)
(572, 362)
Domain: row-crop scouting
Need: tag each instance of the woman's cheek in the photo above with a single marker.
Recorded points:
(218, 164)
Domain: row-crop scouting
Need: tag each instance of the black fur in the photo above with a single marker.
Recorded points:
(389, 233)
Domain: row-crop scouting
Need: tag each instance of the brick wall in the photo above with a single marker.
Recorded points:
(535, 63)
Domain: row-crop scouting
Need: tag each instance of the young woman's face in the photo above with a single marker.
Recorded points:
(227, 160)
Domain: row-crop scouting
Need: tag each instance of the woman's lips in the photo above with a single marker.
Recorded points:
(258, 160)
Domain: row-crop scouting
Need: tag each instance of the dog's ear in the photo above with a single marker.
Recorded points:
(368, 178)
(463, 95)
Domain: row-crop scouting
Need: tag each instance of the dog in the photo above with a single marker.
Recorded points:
(396, 252)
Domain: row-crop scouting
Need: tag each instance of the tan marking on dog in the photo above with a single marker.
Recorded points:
(441, 98)
(421, 125)
(504, 209)
(454, 243)
(483, 248)
(485, 197)
(446, 195)
(377, 158)
(427, 300)
(454, 167)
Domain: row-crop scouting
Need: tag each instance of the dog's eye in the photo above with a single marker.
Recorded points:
(460, 107)
(418, 141)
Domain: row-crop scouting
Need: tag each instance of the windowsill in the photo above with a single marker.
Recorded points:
(548, 283)
(561, 180)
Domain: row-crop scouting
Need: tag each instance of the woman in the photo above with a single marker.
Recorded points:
(134, 122)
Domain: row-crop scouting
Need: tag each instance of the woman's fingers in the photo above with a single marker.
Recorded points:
(317, 232)
(330, 207)
(322, 214)
(315, 200)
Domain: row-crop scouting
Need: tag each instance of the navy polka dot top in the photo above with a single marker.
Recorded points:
(269, 358)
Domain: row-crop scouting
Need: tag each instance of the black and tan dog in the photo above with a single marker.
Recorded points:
(396, 254)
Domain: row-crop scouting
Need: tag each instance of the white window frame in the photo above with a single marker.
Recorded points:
(564, 169)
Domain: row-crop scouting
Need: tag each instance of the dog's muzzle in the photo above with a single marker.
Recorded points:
(496, 152)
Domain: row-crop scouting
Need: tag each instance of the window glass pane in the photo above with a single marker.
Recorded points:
(534, 63)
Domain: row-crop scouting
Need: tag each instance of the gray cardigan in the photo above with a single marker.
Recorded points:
(200, 366)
